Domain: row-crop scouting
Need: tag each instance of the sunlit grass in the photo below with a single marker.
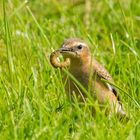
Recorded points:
(33, 103)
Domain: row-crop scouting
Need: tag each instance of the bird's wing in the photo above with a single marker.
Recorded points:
(103, 73)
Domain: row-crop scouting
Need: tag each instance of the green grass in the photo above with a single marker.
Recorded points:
(33, 103)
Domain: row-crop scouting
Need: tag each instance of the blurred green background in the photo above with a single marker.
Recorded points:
(33, 104)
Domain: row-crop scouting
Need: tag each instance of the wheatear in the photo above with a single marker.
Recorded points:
(89, 73)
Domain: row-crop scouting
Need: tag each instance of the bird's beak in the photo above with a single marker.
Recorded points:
(64, 49)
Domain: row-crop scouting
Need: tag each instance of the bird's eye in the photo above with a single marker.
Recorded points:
(79, 47)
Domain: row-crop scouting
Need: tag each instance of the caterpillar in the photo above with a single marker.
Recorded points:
(54, 61)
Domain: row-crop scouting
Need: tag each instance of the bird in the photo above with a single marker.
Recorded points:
(89, 72)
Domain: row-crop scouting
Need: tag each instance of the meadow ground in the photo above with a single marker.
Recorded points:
(33, 104)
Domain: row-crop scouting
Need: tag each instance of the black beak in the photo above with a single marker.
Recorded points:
(63, 49)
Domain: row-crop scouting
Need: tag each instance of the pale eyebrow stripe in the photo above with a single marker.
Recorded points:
(83, 44)
(74, 44)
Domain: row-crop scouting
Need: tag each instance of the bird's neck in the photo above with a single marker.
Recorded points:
(80, 65)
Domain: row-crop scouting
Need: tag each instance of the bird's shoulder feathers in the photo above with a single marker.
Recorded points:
(103, 73)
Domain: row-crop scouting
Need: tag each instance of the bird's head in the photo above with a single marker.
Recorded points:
(75, 49)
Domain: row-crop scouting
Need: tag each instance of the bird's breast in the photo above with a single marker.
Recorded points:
(81, 76)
